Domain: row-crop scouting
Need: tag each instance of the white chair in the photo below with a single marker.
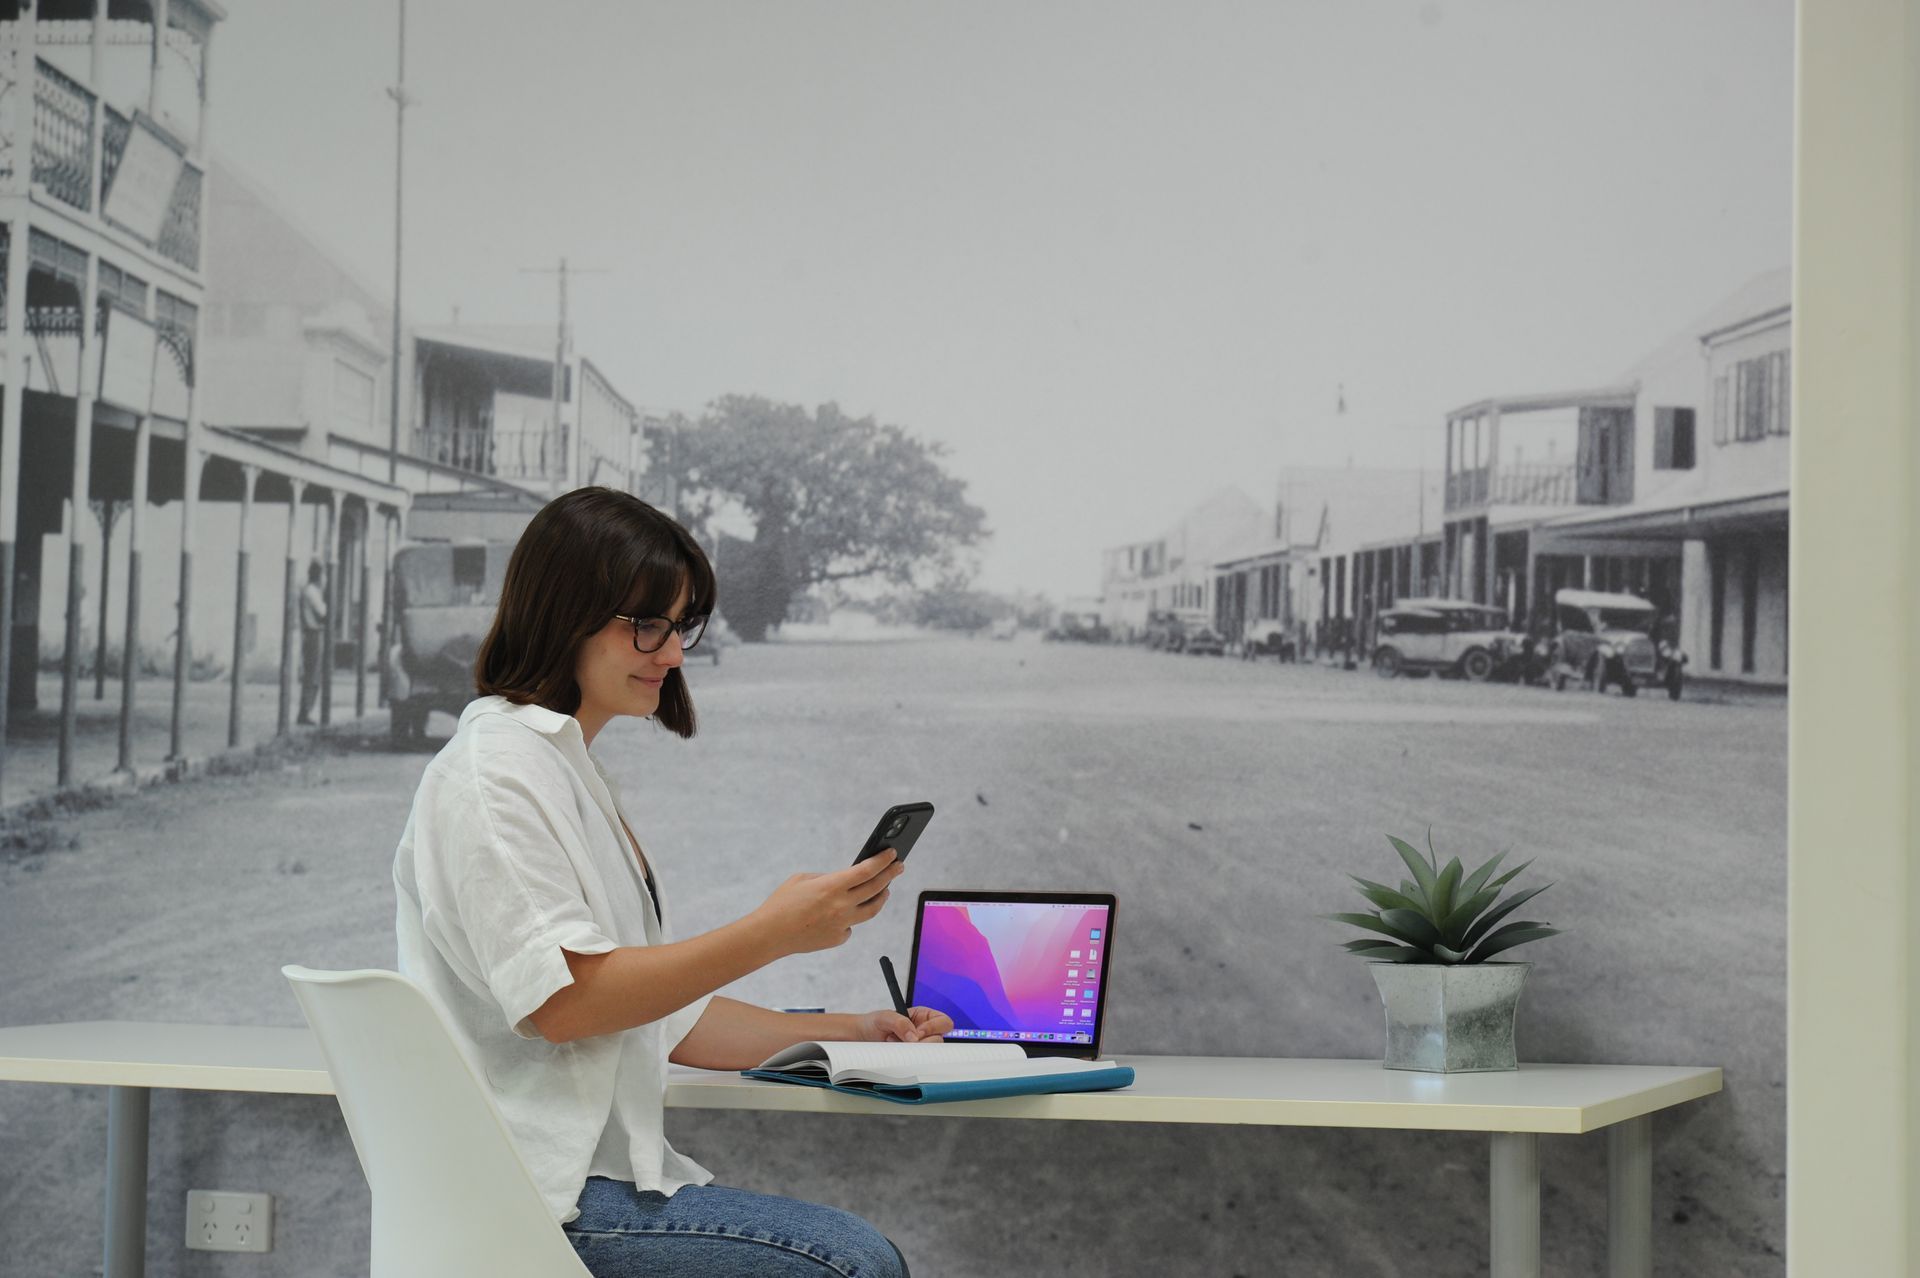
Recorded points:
(451, 1197)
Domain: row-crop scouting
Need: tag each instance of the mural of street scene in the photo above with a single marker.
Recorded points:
(1224, 802)
(1122, 460)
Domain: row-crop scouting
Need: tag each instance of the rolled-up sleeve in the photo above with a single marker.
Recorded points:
(505, 873)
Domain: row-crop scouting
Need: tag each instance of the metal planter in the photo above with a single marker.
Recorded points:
(1450, 1019)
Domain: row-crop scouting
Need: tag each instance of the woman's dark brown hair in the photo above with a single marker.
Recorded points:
(587, 555)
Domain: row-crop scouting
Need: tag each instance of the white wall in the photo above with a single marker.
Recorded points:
(1853, 995)
(1674, 377)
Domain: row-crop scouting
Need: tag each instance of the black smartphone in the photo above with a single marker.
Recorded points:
(897, 829)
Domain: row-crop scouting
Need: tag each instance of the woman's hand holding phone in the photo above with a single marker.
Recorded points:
(819, 911)
(899, 828)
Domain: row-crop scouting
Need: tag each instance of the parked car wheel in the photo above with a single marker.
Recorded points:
(1477, 665)
(1387, 662)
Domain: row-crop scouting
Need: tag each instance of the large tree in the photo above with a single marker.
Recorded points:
(832, 498)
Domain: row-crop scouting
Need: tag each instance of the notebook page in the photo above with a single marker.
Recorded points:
(895, 1056)
(1033, 1067)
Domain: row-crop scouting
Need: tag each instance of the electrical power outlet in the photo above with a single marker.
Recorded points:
(219, 1221)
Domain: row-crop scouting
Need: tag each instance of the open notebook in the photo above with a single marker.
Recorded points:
(925, 1073)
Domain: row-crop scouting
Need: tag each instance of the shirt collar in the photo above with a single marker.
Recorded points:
(539, 718)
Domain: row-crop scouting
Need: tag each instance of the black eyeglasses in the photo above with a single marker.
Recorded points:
(650, 633)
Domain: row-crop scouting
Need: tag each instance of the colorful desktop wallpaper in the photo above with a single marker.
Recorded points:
(1027, 970)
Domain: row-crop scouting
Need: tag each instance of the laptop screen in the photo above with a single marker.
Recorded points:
(1026, 967)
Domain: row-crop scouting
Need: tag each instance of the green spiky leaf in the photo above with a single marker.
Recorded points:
(1423, 873)
(1478, 879)
(1372, 922)
(1508, 877)
(1511, 935)
(1447, 955)
(1444, 885)
(1414, 926)
(1386, 952)
(1385, 897)
(1485, 925)
(1454, 926)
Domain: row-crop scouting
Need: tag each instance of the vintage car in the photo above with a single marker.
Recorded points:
(443, 600)
(1080, 627)
(1204, 641)
(1167, 631)
(1269, 638)
(1448, 637)
(1601, 639)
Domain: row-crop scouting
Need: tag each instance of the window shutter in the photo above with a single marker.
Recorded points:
(1591, 464)
(1777, 418)
(1786, 392)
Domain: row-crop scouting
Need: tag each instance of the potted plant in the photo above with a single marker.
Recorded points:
(1449, 1010)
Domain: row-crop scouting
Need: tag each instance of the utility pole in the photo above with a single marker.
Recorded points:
(563, 346)
(400, 103)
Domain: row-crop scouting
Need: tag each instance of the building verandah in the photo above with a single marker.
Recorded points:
(102, 419)
(287, 509)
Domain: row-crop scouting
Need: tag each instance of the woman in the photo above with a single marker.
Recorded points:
(529, 910)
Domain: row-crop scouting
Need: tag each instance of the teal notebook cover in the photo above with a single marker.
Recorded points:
(1095, 1080)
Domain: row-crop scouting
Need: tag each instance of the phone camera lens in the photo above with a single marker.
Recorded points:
(899, 824)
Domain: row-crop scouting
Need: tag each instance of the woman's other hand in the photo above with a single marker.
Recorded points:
(819, 911)
(890, 1027)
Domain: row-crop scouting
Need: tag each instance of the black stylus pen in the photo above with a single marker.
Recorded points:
(893, 985)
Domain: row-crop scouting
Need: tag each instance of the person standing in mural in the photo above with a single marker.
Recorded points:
(313, 625)
(528, 909)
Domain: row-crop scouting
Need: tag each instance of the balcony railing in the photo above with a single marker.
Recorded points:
(62, 156)
(63, 136)
(537, 455)
(1518, 484)
(1536, 484)
(1466, 489)
(180, 233)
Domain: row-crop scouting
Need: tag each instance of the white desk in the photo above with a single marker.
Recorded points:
(131, 1058)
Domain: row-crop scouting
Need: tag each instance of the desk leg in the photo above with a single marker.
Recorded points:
(1630, 1198)
(1514, 1209)
(127, 1109)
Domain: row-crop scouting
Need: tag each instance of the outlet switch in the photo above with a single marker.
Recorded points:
(219, 1221)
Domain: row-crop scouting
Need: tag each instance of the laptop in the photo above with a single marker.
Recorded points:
(1016, 967)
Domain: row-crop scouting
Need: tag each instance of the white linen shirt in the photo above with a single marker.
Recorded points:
(515, 850)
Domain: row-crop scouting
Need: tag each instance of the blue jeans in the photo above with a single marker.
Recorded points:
(710, 1231)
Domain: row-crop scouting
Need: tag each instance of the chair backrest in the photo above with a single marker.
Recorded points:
(451, 1197)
